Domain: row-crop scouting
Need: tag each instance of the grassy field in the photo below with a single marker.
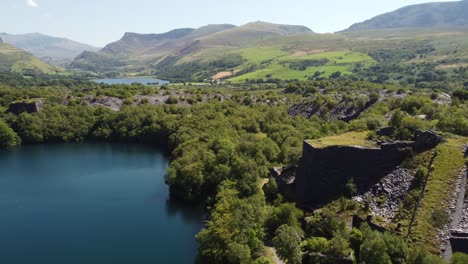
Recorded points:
(276, 63)
(346, 139)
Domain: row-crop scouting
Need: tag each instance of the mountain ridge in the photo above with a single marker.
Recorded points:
(426, 15)
(147, 52)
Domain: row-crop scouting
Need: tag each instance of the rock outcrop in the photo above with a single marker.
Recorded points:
(285, 179)
(113, 103)
(345, 110)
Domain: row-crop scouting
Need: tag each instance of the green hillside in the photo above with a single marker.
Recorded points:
(303, 66)
(16, 60)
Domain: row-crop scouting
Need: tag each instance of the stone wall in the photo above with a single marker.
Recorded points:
(323, 172)
(459, 242)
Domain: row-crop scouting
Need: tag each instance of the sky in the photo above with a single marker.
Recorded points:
(99, 22)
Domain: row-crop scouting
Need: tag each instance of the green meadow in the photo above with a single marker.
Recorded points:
(275, 63)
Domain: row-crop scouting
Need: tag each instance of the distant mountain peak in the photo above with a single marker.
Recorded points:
(428, 15)
(175, 33)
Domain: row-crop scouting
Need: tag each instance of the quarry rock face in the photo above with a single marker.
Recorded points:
(324, 172)
(32, 106)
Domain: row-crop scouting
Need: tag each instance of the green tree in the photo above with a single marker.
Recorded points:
(397, 249)
(8, 137)
(355, 241)
(339, 246)
(234, 232)
(287, 242)
(285, 214)
(317, 244)
(374, 251)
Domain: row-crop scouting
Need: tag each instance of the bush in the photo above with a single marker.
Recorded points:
(317, 245)
(172, 100)
(439, 218)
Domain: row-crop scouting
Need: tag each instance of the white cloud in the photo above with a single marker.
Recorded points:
(32, 3)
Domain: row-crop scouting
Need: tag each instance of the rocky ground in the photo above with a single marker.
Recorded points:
(463, 217)
(384, 197)
(115, 103)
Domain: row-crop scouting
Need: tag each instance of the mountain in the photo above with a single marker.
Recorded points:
(57, 51)
(17, 60)
(430, 15)
(156, 53)
(139, 44)
(261, 51)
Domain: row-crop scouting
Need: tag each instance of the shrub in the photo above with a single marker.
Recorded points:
(439, 218)
(172, 100)
(317, 245)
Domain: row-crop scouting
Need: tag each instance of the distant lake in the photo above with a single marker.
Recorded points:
(93, 204)
(144, 81)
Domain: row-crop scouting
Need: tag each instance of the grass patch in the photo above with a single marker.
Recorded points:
(447, 166)
(261, 54)
(346, 139)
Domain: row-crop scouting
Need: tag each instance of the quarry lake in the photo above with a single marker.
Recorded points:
(91, 203)
(145, 81)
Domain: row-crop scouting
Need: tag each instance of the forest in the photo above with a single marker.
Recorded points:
(222, 151)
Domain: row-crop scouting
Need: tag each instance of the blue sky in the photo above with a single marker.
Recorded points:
(99, 22)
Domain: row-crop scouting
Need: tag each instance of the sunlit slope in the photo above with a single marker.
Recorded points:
(16, 60)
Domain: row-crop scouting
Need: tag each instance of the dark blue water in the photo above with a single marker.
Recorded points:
(93, 204)
(144, 81)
